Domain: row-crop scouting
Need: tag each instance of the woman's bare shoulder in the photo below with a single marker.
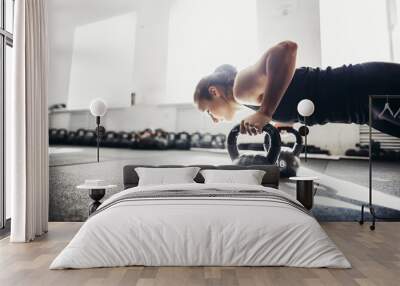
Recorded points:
(250, 83)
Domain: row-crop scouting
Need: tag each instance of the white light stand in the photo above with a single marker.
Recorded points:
(305, 108)
(98, 108)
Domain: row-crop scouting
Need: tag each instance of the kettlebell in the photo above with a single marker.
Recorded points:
(289, 161)
(272, 147)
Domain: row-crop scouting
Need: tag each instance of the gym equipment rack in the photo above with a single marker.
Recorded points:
(370, 205)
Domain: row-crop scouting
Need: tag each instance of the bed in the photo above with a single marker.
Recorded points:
(198, 224)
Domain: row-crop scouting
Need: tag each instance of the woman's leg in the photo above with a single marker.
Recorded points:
(383, 79)
(379, 78)
(387, 127)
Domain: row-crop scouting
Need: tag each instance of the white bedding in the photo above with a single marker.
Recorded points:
(200, 231)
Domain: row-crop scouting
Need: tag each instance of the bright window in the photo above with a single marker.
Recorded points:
(102, 62)
(204, 34)
(354, 31)
(6, 60)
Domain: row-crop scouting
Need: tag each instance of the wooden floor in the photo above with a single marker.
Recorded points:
(375, 257)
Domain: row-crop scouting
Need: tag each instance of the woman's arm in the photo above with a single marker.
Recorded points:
(275, 70)
(280, 64)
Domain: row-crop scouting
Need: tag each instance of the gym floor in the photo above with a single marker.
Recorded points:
(341, 189)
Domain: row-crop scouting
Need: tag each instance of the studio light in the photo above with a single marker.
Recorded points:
(98, 108)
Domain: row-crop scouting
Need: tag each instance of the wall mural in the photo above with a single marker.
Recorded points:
(167, 88)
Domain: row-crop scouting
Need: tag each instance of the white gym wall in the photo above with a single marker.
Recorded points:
(102, 62)
(201, 38)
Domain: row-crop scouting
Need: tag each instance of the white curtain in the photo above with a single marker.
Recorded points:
(29, 123)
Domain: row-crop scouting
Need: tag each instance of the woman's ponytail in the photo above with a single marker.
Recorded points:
(227, 73)
(223, 75)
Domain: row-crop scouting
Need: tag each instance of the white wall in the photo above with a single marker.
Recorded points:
(295, 20)
(147, 70)
(150, 69)
(102, 62)
(204, 34)
(353, 32)
(394, 7)
(65, 16)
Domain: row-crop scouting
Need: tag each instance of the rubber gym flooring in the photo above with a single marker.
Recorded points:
(341, 189)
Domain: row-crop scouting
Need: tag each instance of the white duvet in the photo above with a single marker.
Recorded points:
(200, 231)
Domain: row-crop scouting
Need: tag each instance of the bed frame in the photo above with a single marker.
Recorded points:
(270, 179)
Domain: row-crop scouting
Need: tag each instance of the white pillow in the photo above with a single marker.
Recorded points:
(249, 177)
(165, 176)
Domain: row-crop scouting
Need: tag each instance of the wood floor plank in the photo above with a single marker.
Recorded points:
(375, 257)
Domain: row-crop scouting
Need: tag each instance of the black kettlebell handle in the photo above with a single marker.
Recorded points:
(272, 143)
(298, 145)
